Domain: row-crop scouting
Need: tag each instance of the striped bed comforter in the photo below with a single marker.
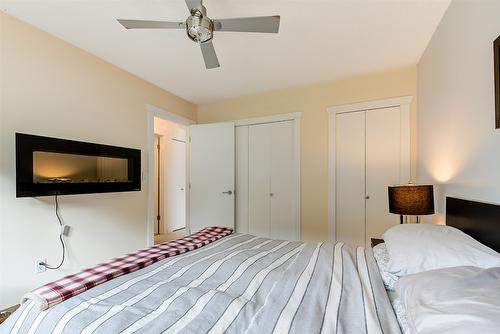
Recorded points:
(238, 284)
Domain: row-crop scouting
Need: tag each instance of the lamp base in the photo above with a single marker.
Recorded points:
(407, 220)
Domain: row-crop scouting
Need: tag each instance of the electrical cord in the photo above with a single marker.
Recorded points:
(60, 238)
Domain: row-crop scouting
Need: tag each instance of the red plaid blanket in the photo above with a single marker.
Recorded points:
(71, 285)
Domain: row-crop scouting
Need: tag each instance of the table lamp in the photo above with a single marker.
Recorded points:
(411, 200)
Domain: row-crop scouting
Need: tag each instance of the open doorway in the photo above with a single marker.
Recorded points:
(169, 180)
(168, 158)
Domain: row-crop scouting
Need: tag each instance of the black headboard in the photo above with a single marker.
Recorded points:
(479, 220)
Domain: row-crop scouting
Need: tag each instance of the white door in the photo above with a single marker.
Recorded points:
(211, 176)
(272, 206)
(158, 207)
(383, 168)
(372, 152)
(175, 187)
(259, 179)
(350, 177)
(242, 184)
(282, 171)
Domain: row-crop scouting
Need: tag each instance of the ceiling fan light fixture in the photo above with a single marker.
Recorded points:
(199, 28)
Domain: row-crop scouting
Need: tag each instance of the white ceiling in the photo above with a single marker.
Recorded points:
(319, 40)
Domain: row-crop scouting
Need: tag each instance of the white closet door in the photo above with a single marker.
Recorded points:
(241, 193)
(282, 177)
(383, 167)
(350, 177)
(259, 179)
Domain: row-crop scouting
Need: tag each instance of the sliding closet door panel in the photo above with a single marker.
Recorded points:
(350, 177)
(282, 193)
(259, 166)
(383, 167)
(241, 179)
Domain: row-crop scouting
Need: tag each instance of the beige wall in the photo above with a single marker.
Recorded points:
(313, 101)
(458, 145)
(51, 88)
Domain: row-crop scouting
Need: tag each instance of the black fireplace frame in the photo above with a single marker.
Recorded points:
(26, 144)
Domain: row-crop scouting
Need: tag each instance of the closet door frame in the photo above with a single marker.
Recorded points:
(404, 104)
(295, 117)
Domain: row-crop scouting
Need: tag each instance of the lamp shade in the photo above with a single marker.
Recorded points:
(412, 200)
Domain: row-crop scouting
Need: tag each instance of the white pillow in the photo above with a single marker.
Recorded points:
(382, 257)
(459, 300)
(414, 248)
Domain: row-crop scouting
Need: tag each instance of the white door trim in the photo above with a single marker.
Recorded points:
(152, 112)
(161, 113)
(404, 103)
(295, 117)
(370, 105)
(268, 119)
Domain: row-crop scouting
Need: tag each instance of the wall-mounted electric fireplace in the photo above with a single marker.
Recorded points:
(49, 166)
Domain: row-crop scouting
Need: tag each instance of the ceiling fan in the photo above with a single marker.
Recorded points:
(200, 28)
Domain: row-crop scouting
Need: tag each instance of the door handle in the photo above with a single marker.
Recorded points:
(182, 189)
(229, 192)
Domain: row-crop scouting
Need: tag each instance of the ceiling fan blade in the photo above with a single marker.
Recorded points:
(141, 24)
(265, 24)
(209, 55)
(194, 4)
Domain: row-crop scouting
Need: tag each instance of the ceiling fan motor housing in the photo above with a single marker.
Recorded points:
(199, 27)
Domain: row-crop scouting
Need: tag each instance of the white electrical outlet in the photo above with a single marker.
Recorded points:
(65, 230)
(39, 267)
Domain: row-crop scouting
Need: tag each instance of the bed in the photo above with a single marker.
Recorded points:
(236, 284)
(225, 282)
(445, 279)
